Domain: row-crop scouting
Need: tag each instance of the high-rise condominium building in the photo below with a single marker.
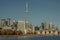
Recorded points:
(21, 25)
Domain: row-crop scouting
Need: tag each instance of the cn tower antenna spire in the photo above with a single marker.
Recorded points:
(26, 11)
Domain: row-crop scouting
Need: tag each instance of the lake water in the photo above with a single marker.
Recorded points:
(31, 38)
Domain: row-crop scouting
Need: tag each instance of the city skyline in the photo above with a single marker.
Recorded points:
(39, 11)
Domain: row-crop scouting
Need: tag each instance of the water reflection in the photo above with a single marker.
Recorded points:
(31, 38)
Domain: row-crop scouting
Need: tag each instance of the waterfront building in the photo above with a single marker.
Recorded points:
(36, 28)
(3, 22)
(30, 28)
(33, 29)
(0, 25)
(56, 32)
(51, 25)
(43, 25)
(38, 32)
(21, 25)
(8, 21)
(7, 28)
(47, 32)
(15, 23)
(43, 32)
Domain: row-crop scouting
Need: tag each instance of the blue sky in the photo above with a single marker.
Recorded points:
(39, 10)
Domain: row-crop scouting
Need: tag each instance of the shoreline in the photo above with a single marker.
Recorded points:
(25, 35)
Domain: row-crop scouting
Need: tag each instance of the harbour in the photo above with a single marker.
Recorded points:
(29, 20)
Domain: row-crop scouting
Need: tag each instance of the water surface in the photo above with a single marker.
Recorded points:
(31, 38)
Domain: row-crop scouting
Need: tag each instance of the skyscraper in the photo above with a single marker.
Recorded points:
(3, 22)
(8, 21)
(15, 23)
(51, 25)
(21, 25)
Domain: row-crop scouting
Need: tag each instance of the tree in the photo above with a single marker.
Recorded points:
(18, 32)
(9, 32)
(3, 32)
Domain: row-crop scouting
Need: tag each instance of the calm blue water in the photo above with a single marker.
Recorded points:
(31, 38)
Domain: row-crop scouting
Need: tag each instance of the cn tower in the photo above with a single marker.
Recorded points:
(26, 20)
